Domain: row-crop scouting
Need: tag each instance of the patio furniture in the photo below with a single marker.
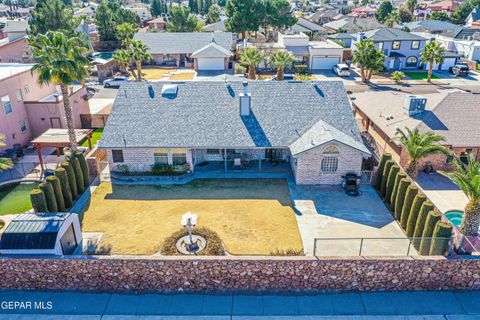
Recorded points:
(237, 163)
(18, 150)
(351, 184)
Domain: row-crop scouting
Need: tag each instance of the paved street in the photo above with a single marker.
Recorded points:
(382, 305)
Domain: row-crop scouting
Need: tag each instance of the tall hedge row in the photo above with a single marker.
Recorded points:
(412, 192)
(400, 176)
(78, 174)
(400, 198)
(386, 172)
(71, 178)
(49, 196)
(392, 176)
(426, 207)
(57, 191)
(61, 174)
(432, 219)
(381, 165)
(441, 236)
(84, 166)
(39, 203)
(413, 215)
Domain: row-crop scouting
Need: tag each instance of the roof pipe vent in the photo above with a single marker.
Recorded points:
(151, 91)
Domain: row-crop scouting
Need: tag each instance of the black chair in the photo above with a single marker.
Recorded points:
(18, 150)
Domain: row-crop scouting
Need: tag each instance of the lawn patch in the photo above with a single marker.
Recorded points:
(419, 75)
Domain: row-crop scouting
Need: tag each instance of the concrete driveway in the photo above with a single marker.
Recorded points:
(341, 221)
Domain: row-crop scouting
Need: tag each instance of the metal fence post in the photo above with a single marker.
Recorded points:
(409, 245)
(314, 247)
(361, 245)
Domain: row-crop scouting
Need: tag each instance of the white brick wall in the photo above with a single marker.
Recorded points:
(308, 168)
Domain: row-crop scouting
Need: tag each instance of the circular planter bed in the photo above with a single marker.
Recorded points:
(213, 247)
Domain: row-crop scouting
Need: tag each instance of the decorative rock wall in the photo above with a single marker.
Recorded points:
(143, 274)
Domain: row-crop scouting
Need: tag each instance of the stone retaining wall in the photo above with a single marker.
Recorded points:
(144, 274)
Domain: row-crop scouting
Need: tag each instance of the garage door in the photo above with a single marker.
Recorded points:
(210, 64)
(324, 63)
(447, 63)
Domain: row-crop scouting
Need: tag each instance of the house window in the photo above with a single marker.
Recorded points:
(7, 106)
(179, 156)
(396, 45)
(411, 62)
(379, 45)
(117, 155)
(415, 44)
(330, 150)
(27, 89)
(18, 93)
(329, 164)
(160, 156)
(213, 151)
(23, 126)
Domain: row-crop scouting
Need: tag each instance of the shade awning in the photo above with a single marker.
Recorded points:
(59, 137)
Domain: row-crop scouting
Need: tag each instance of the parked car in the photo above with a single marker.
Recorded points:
(460, 70)
(342, 70)
(115, 82)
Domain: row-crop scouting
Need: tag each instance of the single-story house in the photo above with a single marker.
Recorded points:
(307, 27)
(430, 26)
(345, 38)
(157, 24)
(42, 233)
(307, 128)
(453, 114)
(352, 24)
(177, 48)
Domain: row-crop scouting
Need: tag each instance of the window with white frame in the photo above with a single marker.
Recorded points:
(415, 44)
(379, 45)
(7, 106)
(23, 126)
(160, 156)
(18, 94)
(179, 156)
(396, 45)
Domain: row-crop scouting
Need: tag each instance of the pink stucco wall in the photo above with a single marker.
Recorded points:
(15, 51)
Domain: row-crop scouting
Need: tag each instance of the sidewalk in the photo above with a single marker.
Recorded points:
(382, 305)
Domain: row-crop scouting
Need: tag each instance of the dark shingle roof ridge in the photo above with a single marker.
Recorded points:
(435, 107)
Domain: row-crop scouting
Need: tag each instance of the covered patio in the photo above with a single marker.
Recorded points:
(58, 138)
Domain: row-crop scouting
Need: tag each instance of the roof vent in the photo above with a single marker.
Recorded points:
(151, 92)
(414, 105)
(169, 90)
(245, 100)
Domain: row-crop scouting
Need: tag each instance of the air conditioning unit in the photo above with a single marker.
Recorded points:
(414, 105)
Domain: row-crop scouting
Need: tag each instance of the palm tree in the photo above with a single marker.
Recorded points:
(281, 60)
(126, 31)
(369, 58)
(62, 60)
(432, 53)
(419, 145)
(5, 163)
(251, 57)
(392, 19)
(138, 51)
(467, 178)
(122, 57)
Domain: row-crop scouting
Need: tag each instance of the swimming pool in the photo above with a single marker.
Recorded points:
(15, 197)
(103, 55)
(455, 217)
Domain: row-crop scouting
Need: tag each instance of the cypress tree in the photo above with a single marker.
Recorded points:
(393, 197)
(39, 203)
(57, 191)
(381, 165)
(426, 207)
(61, 174)
(84, 166)
(78, 174)
(432, 219)
(49, 196)
(392, 176)
(412, 192)
(441, 237)
(72, 180)
(414, 212)
(386, 172)
(400, 199)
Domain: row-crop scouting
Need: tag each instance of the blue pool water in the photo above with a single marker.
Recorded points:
(455, 217)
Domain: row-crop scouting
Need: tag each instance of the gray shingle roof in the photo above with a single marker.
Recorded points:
(16, 26)
(212, 50)
(351, 24)
(206, 115)
(430, 25)
(391, 34)
(183, 42)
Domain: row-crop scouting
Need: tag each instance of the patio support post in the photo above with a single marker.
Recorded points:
(225, 158)
(259, 163)
(58, 151)
(40, 158)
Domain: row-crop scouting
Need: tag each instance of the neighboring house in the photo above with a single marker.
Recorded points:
(28, 109)
(88, 11)
(425, 10)
(143, 12)
(218, 26)
(14, 47)
(473, 19)
(430, 26)
(464, 41)
(306, 128)
(452, 114)
(204, 51)
(156, 24)
(367, 11)
(402, 49)
(308, 27)
(352, 24)
(324, 15)
(345, 38)
(9, 12)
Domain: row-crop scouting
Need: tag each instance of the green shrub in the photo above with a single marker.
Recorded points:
(61, 174)
(39, 203)
(397, 76)
(400, 198)
(386, 172)
(78, 175)
(72, 181)
(301, 68)
(412, 192)
(400, 176)
(49, 196)
(414, 212)
(84, 166)
(214, 243)
(239, 69)
(57, 191)
(432, 219)
(394, 170)
(426, 207)
(441, 237)
(169, 170)
(383, 159)
(302, 77)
